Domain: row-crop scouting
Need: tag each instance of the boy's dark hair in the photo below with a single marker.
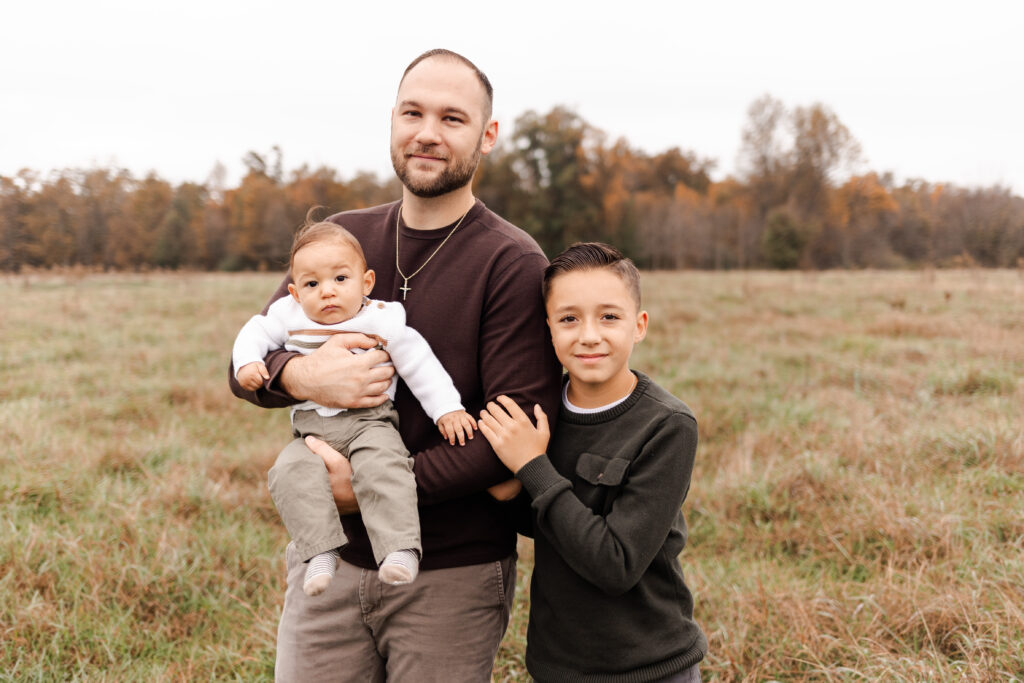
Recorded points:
(321, 231)
(455, 56)
(593, 256)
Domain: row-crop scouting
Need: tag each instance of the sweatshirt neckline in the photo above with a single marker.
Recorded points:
(568, 416)
(434, 234)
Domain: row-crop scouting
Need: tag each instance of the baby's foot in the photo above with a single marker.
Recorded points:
(400, 567)
(320, 571)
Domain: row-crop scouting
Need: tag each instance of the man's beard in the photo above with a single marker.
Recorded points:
(455, 176)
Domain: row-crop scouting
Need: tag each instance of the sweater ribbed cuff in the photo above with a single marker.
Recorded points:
(538, 476)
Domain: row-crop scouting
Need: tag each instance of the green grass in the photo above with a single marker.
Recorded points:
(855, 513)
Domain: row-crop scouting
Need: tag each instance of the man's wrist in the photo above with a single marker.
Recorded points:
(293, 379)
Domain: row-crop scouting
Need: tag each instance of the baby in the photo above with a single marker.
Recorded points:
(329, 294)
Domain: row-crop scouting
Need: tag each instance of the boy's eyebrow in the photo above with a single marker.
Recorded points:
(600, 304)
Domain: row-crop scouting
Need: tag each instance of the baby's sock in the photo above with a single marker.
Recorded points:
(400, 567)
(320, 571)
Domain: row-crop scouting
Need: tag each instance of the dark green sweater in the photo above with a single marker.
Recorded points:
(607, 599)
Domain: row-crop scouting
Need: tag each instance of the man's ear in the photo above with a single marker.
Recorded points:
(489, 137)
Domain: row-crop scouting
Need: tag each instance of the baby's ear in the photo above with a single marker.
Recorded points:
(293, 291)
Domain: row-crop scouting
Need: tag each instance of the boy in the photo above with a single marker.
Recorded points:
(607, 599)
(330, 284)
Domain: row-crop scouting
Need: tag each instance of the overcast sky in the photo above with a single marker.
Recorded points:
(931, 90)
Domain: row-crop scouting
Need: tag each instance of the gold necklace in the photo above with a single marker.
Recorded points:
(405, 285)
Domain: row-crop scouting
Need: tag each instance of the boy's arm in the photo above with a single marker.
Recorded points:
(613, 552)
(516, 358)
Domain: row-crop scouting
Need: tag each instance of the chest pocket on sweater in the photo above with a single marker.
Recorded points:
(601, 471)
(600, 478)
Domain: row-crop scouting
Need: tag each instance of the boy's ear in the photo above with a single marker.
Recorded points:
(641, 327)
(369, 279)
(293, 291)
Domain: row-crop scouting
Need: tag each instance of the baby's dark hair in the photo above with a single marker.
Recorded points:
(322, 231)
(593, 256)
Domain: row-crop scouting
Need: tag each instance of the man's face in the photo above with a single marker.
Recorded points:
(438, 131)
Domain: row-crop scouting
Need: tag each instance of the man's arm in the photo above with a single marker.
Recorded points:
(516, 359)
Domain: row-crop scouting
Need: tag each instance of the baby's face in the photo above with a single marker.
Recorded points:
(329, 281)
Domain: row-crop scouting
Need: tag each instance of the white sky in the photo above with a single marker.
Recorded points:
(931, 90)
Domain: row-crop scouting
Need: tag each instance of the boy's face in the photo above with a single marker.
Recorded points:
(594, 324)
(330, 281)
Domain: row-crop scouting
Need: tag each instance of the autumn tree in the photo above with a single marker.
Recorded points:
(765, 159)
(864, 211)
(538, 179)
(258, 221)
(822, 146)
(15, 242)
(50, 217)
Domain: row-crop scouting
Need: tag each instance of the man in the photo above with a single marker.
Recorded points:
(470, 283)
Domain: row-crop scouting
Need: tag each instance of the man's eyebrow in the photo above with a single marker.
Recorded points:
(413, 104)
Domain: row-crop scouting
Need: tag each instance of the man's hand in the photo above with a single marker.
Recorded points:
(339, 473)
(252, 375)
(511, 433)
(457, 424)
(506, 490)
(335, 377)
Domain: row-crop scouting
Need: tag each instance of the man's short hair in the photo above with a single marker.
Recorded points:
(455, 56)
(593, 256)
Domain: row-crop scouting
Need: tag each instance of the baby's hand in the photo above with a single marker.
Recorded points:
(457, 424)
(252, 375)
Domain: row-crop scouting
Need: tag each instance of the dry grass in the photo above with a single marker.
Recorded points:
(856, 512)
(856, 509)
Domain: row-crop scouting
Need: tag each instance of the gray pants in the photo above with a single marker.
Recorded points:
(382, 480)
(444, 627)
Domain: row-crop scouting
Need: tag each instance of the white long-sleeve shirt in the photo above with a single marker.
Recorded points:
(284, 324)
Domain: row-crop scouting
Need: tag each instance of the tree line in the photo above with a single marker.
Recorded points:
(798, 200)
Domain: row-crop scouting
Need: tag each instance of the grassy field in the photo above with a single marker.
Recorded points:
(856, 512)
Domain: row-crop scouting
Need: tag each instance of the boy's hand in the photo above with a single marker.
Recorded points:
(252, 375)
(506, 490)
(511, 433)
(457, 424)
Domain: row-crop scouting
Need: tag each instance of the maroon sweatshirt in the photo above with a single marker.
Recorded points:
(478, 303)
